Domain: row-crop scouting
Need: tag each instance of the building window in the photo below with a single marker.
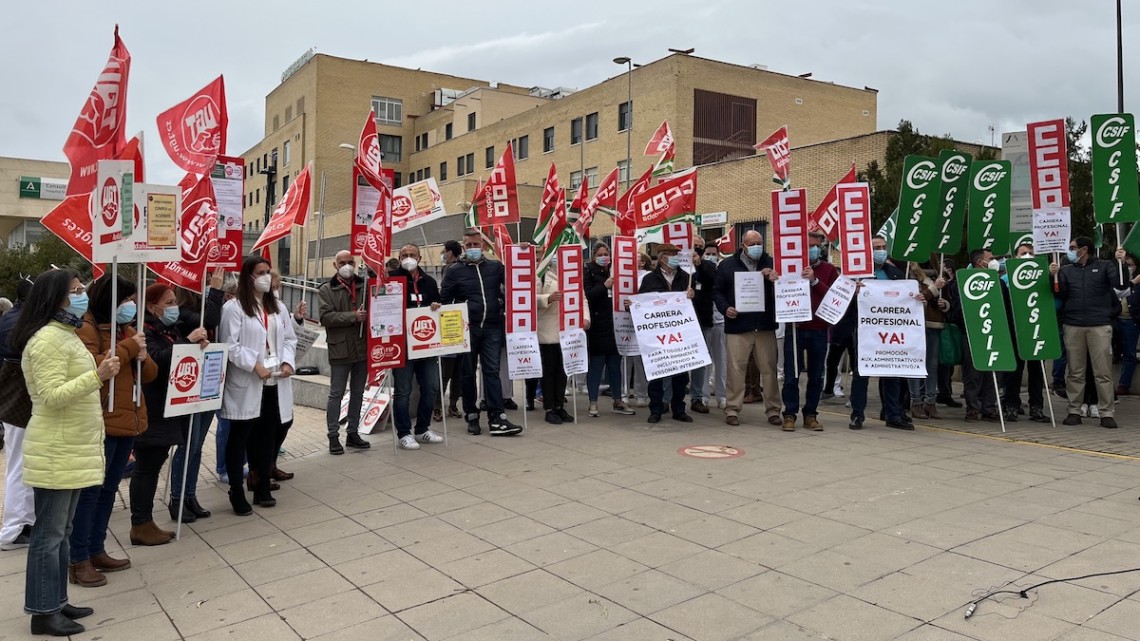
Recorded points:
(471, 163)
(521, 146)
(419, 175)
(490, 156)
(391, 148)
(257, 195)
(625, 116)
(284, 185)
(592, 126)
(461, 166)
(548, 140)
(422, 141)
(288, 149)
(447, 131)
(273, 157)
(575, 131)
(724, 127)
(443, 171)
(427, 173)
(471, 121)
(575, 180)
(623, 171)
(591, 177)
(417, 143)
(397, 179)
(389, 111)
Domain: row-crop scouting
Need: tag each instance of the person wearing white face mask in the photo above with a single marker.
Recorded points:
(422, 291)
(342, 303)
(668, 277)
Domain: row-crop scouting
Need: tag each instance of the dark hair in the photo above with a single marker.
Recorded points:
(246, 294)
(48, 292)
(454, 248)
(598, 246)
(102, 307)
(1086, 242)
(23, 287)
(187, 299)
(977, 255)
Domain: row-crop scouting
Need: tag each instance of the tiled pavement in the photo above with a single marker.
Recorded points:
(603, 531)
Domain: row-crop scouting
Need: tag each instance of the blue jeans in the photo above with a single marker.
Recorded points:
(342, 375)
(96, 503)
(426, 372)
(45, 580)
(811, 343)
(612, 364)
(199, 428)
(1130, 332)
(699, 378)
(486, 344)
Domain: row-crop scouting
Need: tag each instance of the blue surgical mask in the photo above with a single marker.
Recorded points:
(813, 254)
(473, 253)
(77, 304)
(126, 312)
(1072, 255)
(711, 259)
(674, 261)
(879, 256)
(602, 261)
(755, 251)
(170, 315)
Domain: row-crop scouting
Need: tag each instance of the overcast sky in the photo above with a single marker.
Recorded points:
(950, 67)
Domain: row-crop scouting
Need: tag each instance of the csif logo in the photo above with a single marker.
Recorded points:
(978, 286)
(954, 168)
(1026, 276)
(989, 176)
(1111, 132)
(921, 174)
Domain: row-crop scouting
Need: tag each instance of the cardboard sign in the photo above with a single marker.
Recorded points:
(793, 300)
(790, 240)
(835, 303)
(113, 196)
(1116, 196)
(892, 330)
(228, 178)
(1048, 164)
(988, 228)
(523, 358)
(668, 334)
(387, 342)
(918, 219)
(954, 169)
(987, 328)
(570, 308)
(624, 270)
(157, 228)
(437, 333)
(1052, 229)
(854, 230)
(416, 204)
(197, 377)
(575, 359)
(1034, 313)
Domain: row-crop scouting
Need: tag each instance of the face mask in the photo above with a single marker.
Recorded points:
(1026, 256)
(126, 312)
(410, 264)
(1072, 255)
(674, 261)
(473, 254)
(755, 251)
(712, 259)
(170, 315)
(77, 304)
(993, 265)
(263, 283)
(813, 254)
(346, 271)
(879, 256)
(602, 261)
(700, 251)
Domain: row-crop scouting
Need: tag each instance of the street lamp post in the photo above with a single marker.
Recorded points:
(321, 220)
(1120, 228)
(625, 60)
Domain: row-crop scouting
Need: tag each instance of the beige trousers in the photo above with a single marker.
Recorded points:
(1084, 347)
(761, 344)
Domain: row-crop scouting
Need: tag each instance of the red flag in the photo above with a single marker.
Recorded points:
(855, 230)
(265, 254)
(661, 142)
(292, 210)
(726, 244)
(199, 235)
(779, 155)
(669, 200)
(522, 311)
(558, 221)
(98, 132)
(605, 199)
(546, 206)
(379, 242)
(134, 152)
(625, 223)
(624, 270)
(194, 131)
(368, 154)
(502, 239)
(71, 221)
(582, 197)
(501, 202)
(825, 218)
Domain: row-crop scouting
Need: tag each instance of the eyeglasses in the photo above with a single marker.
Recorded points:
(78, 290)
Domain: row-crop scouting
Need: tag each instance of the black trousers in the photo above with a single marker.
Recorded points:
(144, 481)
(258, 439)
(553, 377)
(835, 353)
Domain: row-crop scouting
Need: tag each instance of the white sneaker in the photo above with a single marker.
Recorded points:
(429, 437)
(1084, 410)
(722, 403)
(1094, 411)
(642, 401)
(593, 411)
(409, 443)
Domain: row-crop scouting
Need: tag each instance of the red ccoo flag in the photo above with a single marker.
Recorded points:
(501, 195)
(193, 132)
(825, 218)
(779, 155)
(726, 244)
(293, 210)
(661, 142)
(582, 197)
(625, 223)
(605, 199)
(98, 132)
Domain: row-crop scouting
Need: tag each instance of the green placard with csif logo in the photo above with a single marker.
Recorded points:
(954, 170)
(1034, 314)
(1116, 195)
(987, 327)
(988, 227)
(918, 210)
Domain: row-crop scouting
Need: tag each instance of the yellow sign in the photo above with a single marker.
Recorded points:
(161, 220)
(451, 327)
(422, 199)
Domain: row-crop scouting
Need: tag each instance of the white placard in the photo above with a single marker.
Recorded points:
(416, 204)
(373, 411)
(197, 377)
(624, 335)
(1052, 229)
(749, 290)
(836, 301)
(523, 358)
(437, 333)
(892, 329)
(668, 334)
(575, 360)
(113, 192)
(305, 339)
(793, 300)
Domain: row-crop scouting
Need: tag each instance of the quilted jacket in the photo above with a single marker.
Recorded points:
(128, 418)
(63, 447)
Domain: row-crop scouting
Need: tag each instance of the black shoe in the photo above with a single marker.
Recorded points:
(1038, 416)
(74, 612)
(1072, 419)
(510, 404)
(856, 423)
(503, 427)
(683, 417)
(483, 405)
(195, 508)
(265, 500)
(188, 515)
(55, 625)
(654, 418)
(1010, 415)
(948, 401)
(564, 415)
(335, 447)
(700, 407)
(903, 423)
(473, 425)
(239, 503)
(353, 440)
(530, 405)
(1108, 421)
(1062, 392)
(553, 418)
(991, 417)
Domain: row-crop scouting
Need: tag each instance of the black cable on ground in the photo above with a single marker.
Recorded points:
(973, 605)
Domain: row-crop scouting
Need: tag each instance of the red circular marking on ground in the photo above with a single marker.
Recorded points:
(711, 451)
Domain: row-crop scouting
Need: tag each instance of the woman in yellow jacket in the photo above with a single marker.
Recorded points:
(125, 421)
(63, 447)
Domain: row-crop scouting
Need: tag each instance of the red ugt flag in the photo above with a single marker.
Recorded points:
(379, 241)
(199, 235)
(293, 210)
(194, 131)
(98, 132)
(368, 155)
(71, 221)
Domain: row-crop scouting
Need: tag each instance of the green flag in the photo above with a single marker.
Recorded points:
(987, 327)
(1034, 313)
(988, 228)
(887, 231)
(918, 219)
(954, 170)
(1116, 195)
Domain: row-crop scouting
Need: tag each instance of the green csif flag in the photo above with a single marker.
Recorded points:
(918, 210)
(1034, 313)
(987, 328)
(1116, 195)
(887, 231)
(988, 227)
(954, 170)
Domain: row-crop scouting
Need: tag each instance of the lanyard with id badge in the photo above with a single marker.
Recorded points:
(272, 362)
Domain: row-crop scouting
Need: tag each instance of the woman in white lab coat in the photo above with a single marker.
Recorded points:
(258, 397)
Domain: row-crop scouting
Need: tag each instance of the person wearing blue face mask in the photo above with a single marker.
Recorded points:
(668, 276)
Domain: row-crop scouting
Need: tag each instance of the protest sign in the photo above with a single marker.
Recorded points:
(387, 342)
(790, 241)
(1048, 164)
(1052, 229)
(987, 328)
(437, 333)
(668, 335)
(624, 334)
(571, 312)
(892, 329)
(161, 218)
(988, 226)
(748, 289)
(1116, 196)
(1034, 312)
(793, 300)
(854, 230)
(228, 178)
(575, 359)
(835, 303)
(416, 204)
(523, 357)
(197, 377)
(954, 170)
(918, 219)
(624, 271)
(114, 208)
(305, 340)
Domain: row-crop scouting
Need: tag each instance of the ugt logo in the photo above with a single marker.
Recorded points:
(185, 374)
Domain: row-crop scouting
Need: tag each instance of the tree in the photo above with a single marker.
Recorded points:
(29, 260)
(886, 180)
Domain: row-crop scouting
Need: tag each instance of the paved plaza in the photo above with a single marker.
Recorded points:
(604, 530)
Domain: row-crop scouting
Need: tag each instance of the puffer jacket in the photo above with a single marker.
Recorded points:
(1087, 292)
(127, 419)
(161, 431)
(548, 312)
(338, 305)
(480, 285)
(63, 447)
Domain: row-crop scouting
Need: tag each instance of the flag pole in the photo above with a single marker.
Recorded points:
(139, 293)
(439, 370)
(114, 323)
(997, 389)
(1048, 395)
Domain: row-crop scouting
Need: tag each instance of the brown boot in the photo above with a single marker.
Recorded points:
(931, 410)
(148, 534)
(106, 563)
(917, 411)
(85, 575)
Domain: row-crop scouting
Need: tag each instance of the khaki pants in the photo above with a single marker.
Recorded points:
(762, 345)
(1087, 346)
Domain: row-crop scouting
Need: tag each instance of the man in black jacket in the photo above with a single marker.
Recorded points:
(479, 283)
(1086, 286)
(19, 502)
(749, 333)
(704, 280)
(421, 291)
(668, 277)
